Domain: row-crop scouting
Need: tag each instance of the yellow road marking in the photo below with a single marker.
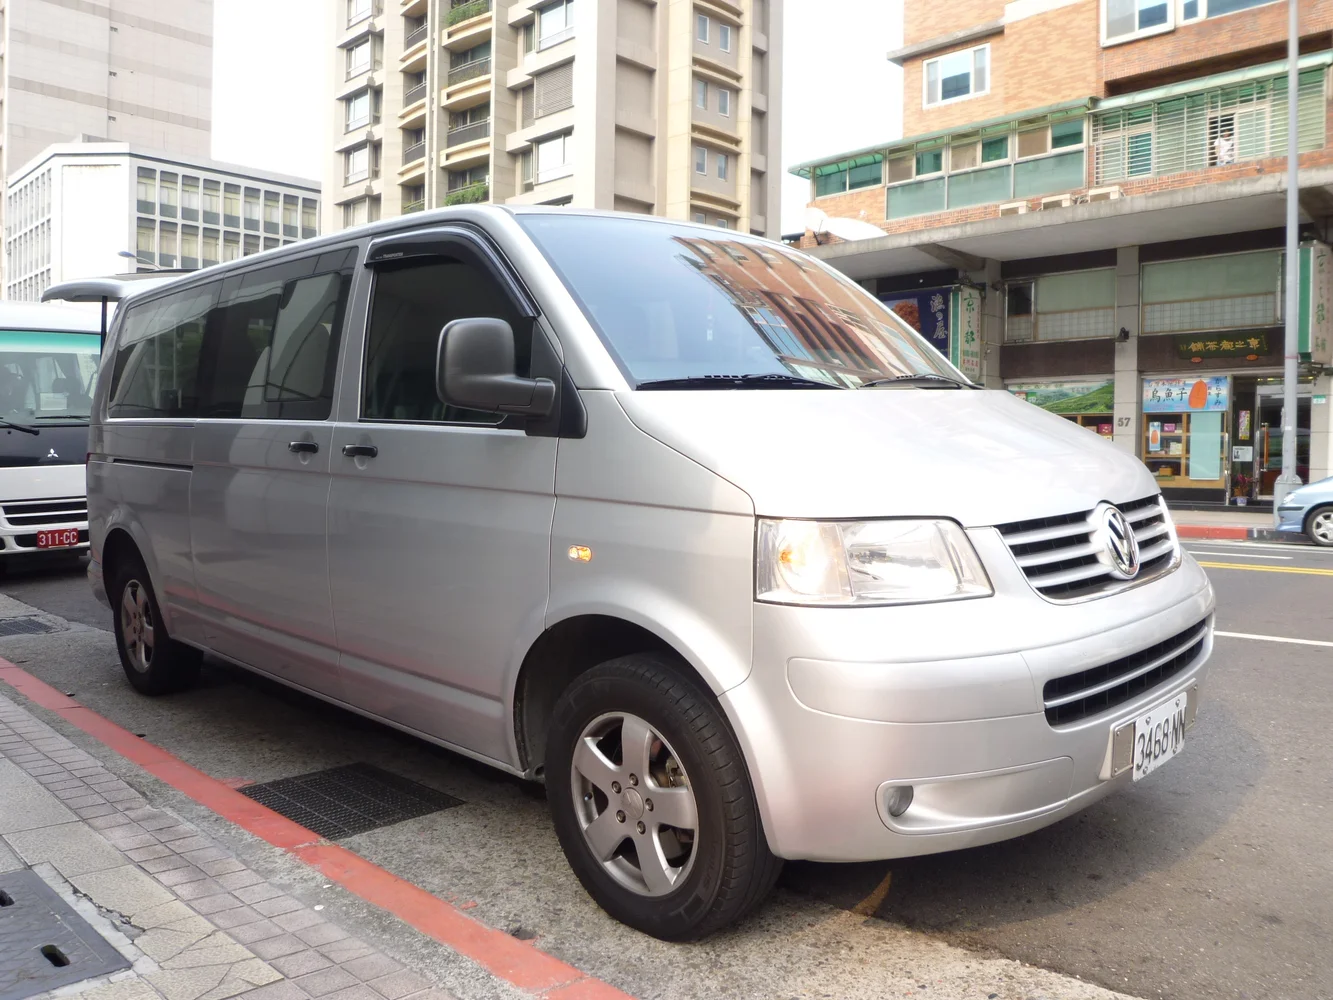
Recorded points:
(868, 906)
(1267, 569)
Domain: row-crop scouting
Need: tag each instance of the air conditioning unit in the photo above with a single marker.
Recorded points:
(1112, 193)
(1057, 201)
(1014, 208)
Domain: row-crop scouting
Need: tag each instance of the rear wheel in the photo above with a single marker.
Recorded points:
(1319, 526)
(652, 801)
(153, 661)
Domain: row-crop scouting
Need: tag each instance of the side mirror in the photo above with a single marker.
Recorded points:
(474, 369)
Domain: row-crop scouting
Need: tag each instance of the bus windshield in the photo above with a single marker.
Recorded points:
(47, 377)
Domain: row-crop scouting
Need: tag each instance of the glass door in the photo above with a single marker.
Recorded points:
(1268, 434)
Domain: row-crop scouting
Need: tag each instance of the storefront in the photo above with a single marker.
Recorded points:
(1086, 402)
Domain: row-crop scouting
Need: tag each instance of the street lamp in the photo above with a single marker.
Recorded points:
(137, 259)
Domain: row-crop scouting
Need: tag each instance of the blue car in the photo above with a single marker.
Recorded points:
(1309, 509)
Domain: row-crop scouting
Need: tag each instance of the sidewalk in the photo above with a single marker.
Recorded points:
(1234, 523)
(145, 907)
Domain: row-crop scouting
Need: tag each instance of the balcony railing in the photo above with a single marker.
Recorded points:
(466, 10)
(468, 133)
(469, 71)
(414, 206)
(415, 35)
(470, 194)
(413, 94)
(414, 152)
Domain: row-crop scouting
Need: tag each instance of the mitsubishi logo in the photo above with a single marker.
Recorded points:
(1114, 543)
(52, 454)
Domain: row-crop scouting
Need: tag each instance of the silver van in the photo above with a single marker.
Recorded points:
(676, 520)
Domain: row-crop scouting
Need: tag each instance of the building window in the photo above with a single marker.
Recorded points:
(701, 218)
(1191, 10)
(555, 24)
(210, 247)
(190, 198)
(724, 37)
(291, 214)
(701, 27)
(358, 59)
(252, 208)
(167, 196)
(309, 219)
(957, 76)
(723, 166)
(358, 110)
(930, 162)
(555, 158)
(189, 247)
(272, 212)
(700, 160)
(358, 11)
(724, 102)
(1074, 305)
(1123, 20)
(212, 202)
(146, 192)
(356, 164)
(145, 244)
(231, 206)
(701, 94)
(167, 241)
(231, 246)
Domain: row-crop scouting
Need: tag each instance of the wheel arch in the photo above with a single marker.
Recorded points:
(121, 543)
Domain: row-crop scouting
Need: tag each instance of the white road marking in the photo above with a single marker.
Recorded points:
(1305, 550)
(1235, 555)
(1273, 638)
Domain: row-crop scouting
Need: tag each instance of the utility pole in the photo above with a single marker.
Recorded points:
(1288, 480)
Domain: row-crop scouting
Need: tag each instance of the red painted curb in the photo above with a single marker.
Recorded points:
(1219, 531)
(505, 957)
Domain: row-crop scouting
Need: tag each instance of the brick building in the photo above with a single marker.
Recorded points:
(1110, 175)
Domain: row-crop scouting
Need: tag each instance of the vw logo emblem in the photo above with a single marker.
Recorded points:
(1114, 542)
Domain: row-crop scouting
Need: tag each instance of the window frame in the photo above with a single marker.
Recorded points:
(702, 28)
(700, 93)
(1156, 29)
(359, 10)
(1203, 15)
(724, 101)
(723, 166)
(544, 41)
(724, 36)
(349, 102)
(368, 45)
(701, 156)
(348, 175)
(926, 103)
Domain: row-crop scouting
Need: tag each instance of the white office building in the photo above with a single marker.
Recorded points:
(92, 207)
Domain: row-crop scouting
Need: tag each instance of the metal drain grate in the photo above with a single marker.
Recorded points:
(344, 801)
(44, 944)
(25, 626)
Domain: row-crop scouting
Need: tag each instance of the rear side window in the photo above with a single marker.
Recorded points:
(412, 303)
(155, 372)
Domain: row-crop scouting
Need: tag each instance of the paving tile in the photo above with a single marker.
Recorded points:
(229, 987)
(205, 854)
(257, 931)
(237, 880)
(199, 888)
(298, 919)
(172, 913)
(224, 867)
(397, 985)
(72, 848)
(162, 943)
(97, 809)
(84, 801)
(165, 863)
(133, 988)
(125, 890)
(371, 967)
(194, 842)
(254, 971)
(285, 990)
(357, 992)
(322, 934)
(202, 954)
(127, 842)
(216, 903)
(255, 893)
(85, 772)
(186, 984)
(276, 947)
(434, 993)
(171, 834)
(301, 963)
(326, 981)
(275, 906)
(149, 853)
(347, 950)
(28, 806)
(227, 919)
(178, 876)
(109, 821)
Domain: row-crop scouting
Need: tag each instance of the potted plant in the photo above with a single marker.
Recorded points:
(1240, 488)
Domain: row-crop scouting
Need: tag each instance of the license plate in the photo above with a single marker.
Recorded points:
(59, 538)
(1159, 735)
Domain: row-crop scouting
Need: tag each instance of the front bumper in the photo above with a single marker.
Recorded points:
(844, 703)
(1291, 520)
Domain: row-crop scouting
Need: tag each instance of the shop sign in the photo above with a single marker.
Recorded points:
(1241, 345)
(1072, 398)
(926, 311)
(965, 332)
(1315, 307)
(1185, 395)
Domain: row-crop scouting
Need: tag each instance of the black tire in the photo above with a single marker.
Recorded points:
(1327, 539)
(155, 667)
(732, 868)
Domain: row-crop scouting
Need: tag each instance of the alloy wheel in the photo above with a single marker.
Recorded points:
(1321, 527)
(136, 626)
(634, 804)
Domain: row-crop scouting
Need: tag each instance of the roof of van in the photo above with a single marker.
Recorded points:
(113, 287)
(38, 316)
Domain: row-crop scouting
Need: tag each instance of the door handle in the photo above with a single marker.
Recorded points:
(304, 447)
(360, 450)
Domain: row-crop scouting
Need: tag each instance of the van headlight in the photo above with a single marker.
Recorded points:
(866, 562)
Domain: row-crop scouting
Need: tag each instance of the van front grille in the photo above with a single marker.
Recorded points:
(55, 510)
(1090, 692)
(1059, 558)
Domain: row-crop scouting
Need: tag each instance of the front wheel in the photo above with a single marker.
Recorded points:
(652, 801)
(1319, 526)
(153, 662)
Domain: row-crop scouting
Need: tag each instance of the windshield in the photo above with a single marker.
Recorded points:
(676, 302)
(47, 377)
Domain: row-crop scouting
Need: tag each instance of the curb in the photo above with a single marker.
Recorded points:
(1231, 532)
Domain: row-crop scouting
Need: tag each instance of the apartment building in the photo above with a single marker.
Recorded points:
(667, 107)
(94, 207)
(136, 71)
(1103, 183)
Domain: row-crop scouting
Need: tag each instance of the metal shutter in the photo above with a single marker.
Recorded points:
(529, 106)
(554, 90)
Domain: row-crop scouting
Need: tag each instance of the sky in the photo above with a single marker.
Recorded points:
(839, 91)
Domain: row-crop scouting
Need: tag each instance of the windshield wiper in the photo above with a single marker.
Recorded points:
(922, 381)
(768, 381)
(18, 427)
(62, 416)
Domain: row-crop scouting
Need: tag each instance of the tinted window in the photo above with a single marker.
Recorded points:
(272, 343)
(156, 366)
(675, 301)
(412, 303)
